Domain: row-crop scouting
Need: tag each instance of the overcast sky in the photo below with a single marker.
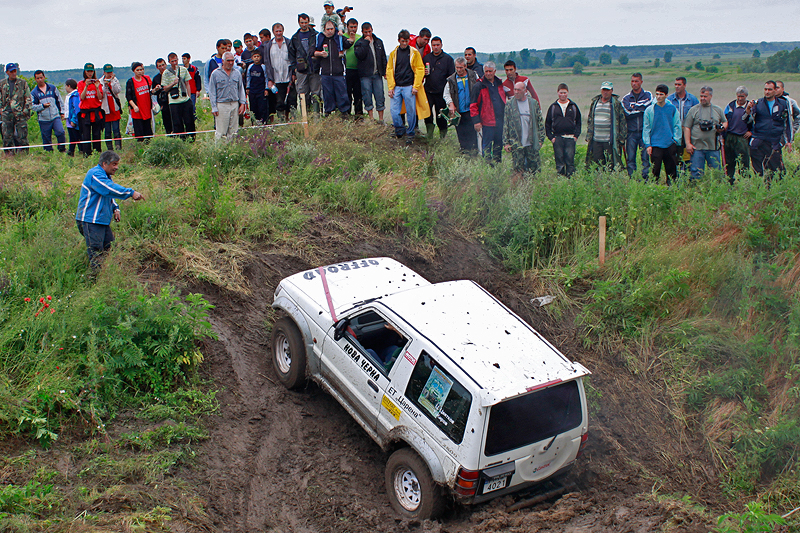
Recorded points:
(54, 35)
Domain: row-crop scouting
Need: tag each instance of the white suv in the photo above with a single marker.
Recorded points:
(471, 400)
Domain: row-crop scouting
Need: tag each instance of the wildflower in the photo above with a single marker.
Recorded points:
(62, 391)
(52, 311)
(49, 298)
(74, 337)
(27, 299)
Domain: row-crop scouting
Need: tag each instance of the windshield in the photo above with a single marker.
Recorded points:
(532, 418)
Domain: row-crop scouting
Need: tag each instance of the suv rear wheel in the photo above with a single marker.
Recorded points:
(288, 353)
(412, 491)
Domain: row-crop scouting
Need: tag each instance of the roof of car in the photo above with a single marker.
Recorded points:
(501, 353)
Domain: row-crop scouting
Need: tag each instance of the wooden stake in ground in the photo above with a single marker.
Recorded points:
(304, 112)
(602, 240)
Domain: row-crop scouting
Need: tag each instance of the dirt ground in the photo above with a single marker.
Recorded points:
(288, 461)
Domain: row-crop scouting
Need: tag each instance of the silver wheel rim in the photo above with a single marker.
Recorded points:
(283, 354)
(407, 489)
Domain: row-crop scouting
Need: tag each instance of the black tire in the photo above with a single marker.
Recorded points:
(412, 491)
(288, 353)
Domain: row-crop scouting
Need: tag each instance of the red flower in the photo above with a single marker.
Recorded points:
(52, 311)
(36, 314)
(41, 300)
(27, 299)
(49, 297)
(47, 305)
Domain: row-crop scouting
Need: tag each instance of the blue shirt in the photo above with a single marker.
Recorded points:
(683, 105)
(661, 134)
(463, 93)
(96, 204)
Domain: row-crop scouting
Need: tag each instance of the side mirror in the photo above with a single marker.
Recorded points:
(340, 328)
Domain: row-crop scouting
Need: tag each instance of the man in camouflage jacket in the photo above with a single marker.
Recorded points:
(15, 108)
(606, 145)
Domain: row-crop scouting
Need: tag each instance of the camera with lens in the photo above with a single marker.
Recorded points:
(706, 125)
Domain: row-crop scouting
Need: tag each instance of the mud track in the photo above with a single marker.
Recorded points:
(288, 461)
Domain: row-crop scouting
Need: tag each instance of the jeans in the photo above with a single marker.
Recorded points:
(112, 132)
(564, 151)
(373, 87)
(403, 95)
(48, 128)
(699, 159)
(334, 94)
(493, 143)
(633, 142)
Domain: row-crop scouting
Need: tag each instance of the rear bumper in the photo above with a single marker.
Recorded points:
(469, 500)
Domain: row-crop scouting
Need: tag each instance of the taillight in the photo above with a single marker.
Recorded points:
(584, 442)
(467, 481)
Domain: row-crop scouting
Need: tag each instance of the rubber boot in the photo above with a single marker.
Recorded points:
(431, 131)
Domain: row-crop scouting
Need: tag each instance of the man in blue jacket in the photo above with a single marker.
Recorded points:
(50, 111)
(662, 134)
(772, 130)
(96, 206)
(634, 103)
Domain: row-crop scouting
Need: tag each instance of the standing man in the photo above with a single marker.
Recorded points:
(404, 74)
(420, 42)
(303, 64)
(226, 92)
(215, 61)
(794, 109)
(737, 135)
(50, 109)
(472, 61)
(351, 69)
(606, 129)
(771, 130)
(634, 103)
(175, 79)
(371, 57)
(162, 97)
(662, 134)
(96, 207)
(700, 130)
(329, 51)
(512, 78)
(195, 84)
(523, 130)
(279, 73)
(112, 108)
(563, 126)
(438, 67)
(457, 98)
(15, 108)
(487, 108)
(683, 102)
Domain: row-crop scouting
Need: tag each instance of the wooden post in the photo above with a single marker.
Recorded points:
(602, 240)
(304, 113)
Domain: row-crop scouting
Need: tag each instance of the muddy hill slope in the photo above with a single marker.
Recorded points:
(288, 461)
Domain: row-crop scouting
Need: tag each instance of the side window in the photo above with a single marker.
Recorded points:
(437, 394)
(377, 338)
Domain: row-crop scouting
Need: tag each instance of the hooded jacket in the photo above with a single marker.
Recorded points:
(488, 100)
(51, 96)
(619, 131)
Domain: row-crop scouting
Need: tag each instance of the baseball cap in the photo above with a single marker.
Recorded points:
(108, 68)
(311, 21)
(11, 66)
(88, 66)
(606, 85)
(237, 43)
(328, 3)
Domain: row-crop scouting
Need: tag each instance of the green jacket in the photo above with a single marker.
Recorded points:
(19, 103)
(619, 131)
(512, 126)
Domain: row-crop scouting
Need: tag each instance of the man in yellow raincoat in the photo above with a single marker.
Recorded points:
(404, 74)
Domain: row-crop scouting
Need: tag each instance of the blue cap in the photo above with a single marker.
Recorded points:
(11, 66)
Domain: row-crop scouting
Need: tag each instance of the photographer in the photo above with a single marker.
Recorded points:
(701, 127)
(175, 83)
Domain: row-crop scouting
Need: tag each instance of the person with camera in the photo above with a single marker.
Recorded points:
(302, 62)
(772, 130)
(91, 116)
(112, 107)
(701, 127)
(175, 80)
(662, 134)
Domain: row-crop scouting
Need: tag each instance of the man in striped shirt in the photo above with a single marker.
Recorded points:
(96, 206)
(606, 130)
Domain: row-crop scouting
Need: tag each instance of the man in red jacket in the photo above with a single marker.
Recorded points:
(512, 78)
(487, 107)
(420, 42)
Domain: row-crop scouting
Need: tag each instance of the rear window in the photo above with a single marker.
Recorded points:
(440, 397)
(532, 418)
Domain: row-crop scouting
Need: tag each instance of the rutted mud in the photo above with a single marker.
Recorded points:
(284, 461)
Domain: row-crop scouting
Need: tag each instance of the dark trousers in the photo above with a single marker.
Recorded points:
(166, 118)
(493, 143)
(142, 128)
(182, 116)
(259, 105)
(112, 132)
(91, 131)
(98, 239)
(666, 156)
(564, 151)
(354, 90)
(285, 98)
(436, 100)
(467, 136)
(765, 156)
(74, 137)
(737, 153)
(334, 94)
(602, 154)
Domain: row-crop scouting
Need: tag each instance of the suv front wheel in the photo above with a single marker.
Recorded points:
(288, 353)
(412, 491)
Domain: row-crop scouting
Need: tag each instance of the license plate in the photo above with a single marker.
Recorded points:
(495, 484)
